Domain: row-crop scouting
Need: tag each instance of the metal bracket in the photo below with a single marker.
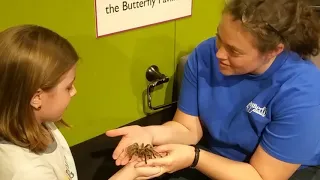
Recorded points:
(155, 78)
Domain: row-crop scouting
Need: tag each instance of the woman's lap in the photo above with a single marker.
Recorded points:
(310, 173)
(192, 174)
(185, 174)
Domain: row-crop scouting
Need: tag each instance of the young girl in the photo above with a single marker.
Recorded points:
(37, 71)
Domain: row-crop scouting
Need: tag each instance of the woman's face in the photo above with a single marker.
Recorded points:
(236, 52)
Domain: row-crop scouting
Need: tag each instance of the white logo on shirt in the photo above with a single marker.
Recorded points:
(69, 173)
(253, 107)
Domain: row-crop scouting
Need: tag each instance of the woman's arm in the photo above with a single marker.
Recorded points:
(262, 167)
(183, 129)
(289, 140)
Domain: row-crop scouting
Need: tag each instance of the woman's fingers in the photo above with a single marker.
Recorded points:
(123, 159)
(117, 132)
(163, 148)
(134, 159)
(165, 161)
(120, 152)
(121, 146)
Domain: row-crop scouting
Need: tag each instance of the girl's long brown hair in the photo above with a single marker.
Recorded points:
(31, 58)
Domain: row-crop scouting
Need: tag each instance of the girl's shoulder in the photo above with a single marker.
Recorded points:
(16, 159)
(12, 152)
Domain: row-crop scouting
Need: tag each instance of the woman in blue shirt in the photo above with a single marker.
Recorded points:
(253, 89)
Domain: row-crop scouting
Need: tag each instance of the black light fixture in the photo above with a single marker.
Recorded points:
(316, 5)
(155, 78)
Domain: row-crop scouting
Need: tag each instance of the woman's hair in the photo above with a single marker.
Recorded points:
(31, 58)
(271, 22)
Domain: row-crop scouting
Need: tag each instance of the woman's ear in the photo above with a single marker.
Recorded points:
(276, 52)
(36, 100)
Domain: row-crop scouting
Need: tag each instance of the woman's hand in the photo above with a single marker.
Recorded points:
(130, 135)
(129, 172)
(178, 157)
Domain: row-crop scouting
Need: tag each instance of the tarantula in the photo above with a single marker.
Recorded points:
(144, 151)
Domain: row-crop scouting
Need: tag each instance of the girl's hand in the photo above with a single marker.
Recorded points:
(147, 172)
(178, 157)
(129, 172)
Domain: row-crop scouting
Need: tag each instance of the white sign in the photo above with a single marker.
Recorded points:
(114, 16)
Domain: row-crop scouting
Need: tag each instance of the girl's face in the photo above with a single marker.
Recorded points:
(54, 102)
